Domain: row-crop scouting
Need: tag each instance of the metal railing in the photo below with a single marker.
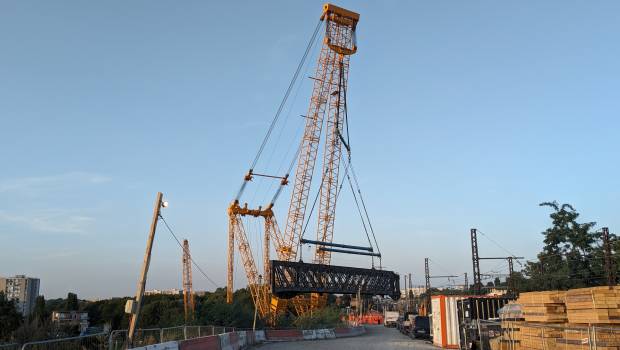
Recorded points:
(526, 335)
(117, 340)
(87, 342)
(9, 347)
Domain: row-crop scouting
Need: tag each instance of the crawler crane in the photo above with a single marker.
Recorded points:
(327, 109)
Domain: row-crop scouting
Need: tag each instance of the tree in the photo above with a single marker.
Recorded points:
(10, 319)
(39, 312)
(497, 282)
(72, 303)
(568, 257)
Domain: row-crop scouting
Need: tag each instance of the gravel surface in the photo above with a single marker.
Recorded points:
(376, 337)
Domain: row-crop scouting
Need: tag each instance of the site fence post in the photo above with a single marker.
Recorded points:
(184, 332)
(161, 335)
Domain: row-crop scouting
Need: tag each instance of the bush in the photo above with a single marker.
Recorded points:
(325, 318)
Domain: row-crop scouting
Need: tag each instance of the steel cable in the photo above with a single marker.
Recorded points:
(190, 257)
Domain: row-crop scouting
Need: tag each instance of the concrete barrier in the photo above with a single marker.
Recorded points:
(225, 342)
(171, 345)
(325, 333)
(349, 331)
(211, 342)
(234, 340)
(250, 337)
(309, 334)
(243, 342)
(259, 336)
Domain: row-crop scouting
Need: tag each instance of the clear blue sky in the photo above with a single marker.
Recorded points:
(463, 114)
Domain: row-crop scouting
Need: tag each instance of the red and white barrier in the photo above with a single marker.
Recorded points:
(284, 334)
(171, 345)
(242, 339)
(211, 342)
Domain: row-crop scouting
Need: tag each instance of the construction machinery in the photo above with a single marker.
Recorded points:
(327, 109)
(188, 291)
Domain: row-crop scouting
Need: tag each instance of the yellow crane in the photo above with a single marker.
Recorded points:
(327, 106)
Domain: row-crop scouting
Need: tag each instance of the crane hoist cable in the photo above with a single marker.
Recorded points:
(281, 106)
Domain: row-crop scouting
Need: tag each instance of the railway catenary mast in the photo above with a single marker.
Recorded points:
(328, 103)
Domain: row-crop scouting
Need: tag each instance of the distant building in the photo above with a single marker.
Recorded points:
(417, 290)
(24, 290)
(70, 318)
(172, 291)
(494, 292)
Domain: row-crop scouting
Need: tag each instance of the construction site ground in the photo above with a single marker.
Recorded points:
(376, 337)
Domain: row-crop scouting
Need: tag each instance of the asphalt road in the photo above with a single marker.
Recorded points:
(376, 337)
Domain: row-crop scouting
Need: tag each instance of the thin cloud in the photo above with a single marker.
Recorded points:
(33, 185)
(50, 221)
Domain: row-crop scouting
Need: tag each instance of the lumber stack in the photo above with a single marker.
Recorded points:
(539, 336)
(511, 319)
(582, 339)
(544, 307)
(593, 316)
(594, 305)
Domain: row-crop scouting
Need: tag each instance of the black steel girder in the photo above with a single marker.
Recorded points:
(289, 279)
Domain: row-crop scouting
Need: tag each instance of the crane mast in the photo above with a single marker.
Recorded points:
(327, 95)
(328, 102)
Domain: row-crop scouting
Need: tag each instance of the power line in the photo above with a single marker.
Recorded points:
(501, 247)
(181, 245)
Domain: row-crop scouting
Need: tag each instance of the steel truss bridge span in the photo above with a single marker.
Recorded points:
(289, 278)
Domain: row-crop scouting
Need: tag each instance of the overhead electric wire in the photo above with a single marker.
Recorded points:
(190, 257)
(438, 265)
(501, 247)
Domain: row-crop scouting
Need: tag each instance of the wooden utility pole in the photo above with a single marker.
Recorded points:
(188, 289)
(133, 306)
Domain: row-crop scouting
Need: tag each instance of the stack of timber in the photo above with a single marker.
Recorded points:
(544, 307)
(539, 336)
(596, 305)
(511, 318)
(583, 338)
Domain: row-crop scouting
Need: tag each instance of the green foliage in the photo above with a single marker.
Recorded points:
(10, 319)
(32, 330)
(39, 312)
(72, 303)
(328, 317)
(571, 257)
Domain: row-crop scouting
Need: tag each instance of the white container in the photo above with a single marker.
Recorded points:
(445, 321)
